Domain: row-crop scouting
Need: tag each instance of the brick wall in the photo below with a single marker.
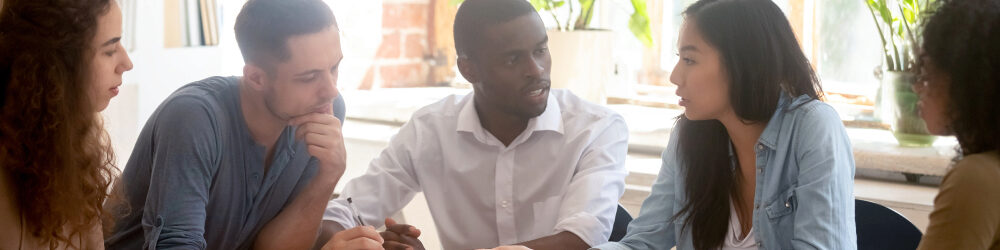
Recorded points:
(400, 61)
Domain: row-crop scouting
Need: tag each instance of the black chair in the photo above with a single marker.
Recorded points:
(618, 230)
(879, 227)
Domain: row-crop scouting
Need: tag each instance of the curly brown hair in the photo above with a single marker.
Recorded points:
(962, 39)
(52, 142)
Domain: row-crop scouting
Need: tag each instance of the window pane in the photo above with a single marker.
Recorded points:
(849, 47)
(669, 57)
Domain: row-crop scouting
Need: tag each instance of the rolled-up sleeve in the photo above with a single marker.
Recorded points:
(385, 188)
(653, 228)
(588, 208)
(825, 190)
(184, 162)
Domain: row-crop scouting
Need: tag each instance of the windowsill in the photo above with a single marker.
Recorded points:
(649, 128)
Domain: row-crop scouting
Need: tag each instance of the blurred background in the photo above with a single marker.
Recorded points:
(399, 56)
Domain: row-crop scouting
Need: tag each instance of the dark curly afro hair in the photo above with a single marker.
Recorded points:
(962, 38)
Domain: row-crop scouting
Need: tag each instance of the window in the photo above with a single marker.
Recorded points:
(838, 37)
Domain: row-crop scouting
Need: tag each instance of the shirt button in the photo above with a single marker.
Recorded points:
(503, 204)
(756, 206)
(788, 205)
(760, 244)
(760, 170)
(760, 146)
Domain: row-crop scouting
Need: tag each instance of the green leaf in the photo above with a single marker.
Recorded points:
(455, 2)
(586, 14)
(883, 10)
(540, 4)
(557, 4)
(898, 24)
(639, 23)
(871, 4)
(912, 6)
(909, 14)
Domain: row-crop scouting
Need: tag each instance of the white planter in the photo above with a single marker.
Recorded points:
(582, 63)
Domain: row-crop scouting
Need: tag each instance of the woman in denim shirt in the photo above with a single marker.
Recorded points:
(756, 161)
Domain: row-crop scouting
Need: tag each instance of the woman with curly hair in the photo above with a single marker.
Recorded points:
(60, 64)
(959, 88)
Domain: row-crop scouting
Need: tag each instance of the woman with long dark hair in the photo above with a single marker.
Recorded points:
(60, 64)
(959, 87)
(756, 161)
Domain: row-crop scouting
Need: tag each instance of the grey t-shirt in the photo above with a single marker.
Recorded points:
(196, 178)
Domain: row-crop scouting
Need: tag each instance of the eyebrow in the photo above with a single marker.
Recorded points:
(517, 51)
(319, 70)
(112, 41)
(691, 48)
(544, 40)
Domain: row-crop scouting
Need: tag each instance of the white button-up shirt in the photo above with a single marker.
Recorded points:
(565, 172)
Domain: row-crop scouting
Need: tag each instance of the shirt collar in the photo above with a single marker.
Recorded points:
(549, 120)
(770, 136)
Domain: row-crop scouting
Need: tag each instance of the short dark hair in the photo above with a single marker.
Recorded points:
(264, 26)
(475, 15)
(962, 39)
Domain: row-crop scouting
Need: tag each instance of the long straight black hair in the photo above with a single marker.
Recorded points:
(762, 60)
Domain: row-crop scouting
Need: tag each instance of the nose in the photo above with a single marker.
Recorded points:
(534, 68)
(126, 65)
(675, 76)
(329, 89)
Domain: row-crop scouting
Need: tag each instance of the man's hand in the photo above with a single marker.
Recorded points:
(358, 238)
(321, 133)
(401, 236)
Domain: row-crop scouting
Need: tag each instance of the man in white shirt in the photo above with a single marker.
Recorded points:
(511, 163)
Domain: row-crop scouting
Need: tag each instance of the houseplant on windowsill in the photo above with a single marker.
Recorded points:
(582, 55)
(898, 23)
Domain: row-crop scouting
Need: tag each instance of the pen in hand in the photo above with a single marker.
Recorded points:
(357, 216)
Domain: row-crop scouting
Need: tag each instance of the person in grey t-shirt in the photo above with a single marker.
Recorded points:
(243, 162)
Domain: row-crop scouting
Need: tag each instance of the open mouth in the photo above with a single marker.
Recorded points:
(538, 89)
(114, 90)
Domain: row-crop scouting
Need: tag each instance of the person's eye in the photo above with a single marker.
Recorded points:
(111, 52)
(307, 79)
(684, 59)
(511, 60)
(541, 51)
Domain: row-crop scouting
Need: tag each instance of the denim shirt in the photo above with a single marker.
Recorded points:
(804, 189)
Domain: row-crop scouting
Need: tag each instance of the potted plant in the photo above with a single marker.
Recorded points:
(898, 23)
(582, 55)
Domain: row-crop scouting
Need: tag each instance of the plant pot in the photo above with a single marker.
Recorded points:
(582, 62)
(899, 105)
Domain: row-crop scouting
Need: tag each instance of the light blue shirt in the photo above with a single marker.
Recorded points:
(804, 193)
